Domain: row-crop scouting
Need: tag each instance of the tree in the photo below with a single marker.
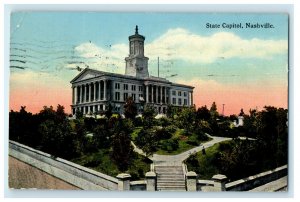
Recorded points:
(148, 116)
(122, 150)
(186, 119)
(203, 113)
(213, 111)
(108, 112)
(147, 140)
(130, 109)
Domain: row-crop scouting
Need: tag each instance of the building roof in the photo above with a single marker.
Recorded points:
(98, 73)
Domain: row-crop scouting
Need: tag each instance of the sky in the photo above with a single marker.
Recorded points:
(238, 67)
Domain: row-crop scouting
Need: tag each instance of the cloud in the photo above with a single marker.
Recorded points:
(184, 45)
(181, 44)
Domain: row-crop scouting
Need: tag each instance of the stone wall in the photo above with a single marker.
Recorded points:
(72, 173)
(257, 180)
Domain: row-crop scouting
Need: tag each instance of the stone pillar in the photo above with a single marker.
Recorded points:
(160, 94)
(99, 93)
(94, 84)
(123, 182)
(156, 91)
(192, 99)
(80, 94)
(85, 93)
(191, 181)
(90, 92)
(151, 181)
(73, 95)
(219, 182)
(166, 95)
(104, 96)
(147, 93)
(152, 93)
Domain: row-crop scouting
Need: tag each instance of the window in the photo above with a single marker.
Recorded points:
(173, 92)
(185, 101)
(140, 88)
(117, 85)
(125, 86)
(140, 96)
(133, 87)
(174, 101)
(179, 93)
(133, 97)
(117, 96)
(125, 96)
(179, 101)
(184, 94)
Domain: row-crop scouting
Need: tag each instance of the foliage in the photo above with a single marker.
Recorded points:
(147, 140)
(148, 116)
(122, 150)
(130, 109)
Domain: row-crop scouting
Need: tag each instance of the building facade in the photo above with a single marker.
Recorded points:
(93, 90)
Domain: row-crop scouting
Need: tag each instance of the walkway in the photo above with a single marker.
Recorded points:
(176, 160)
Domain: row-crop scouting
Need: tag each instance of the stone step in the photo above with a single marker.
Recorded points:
(174, 184)
(167, 168)
(170, 178)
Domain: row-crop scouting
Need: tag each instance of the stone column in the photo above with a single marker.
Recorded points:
(151, 181)
(191, 181)
(219, 182)
(90, 92)
(147, 93)
(156, 90)
(152, 93)
(79, 94)
(160, 94)
(104, 96)
(73, 95)
(84, 98)
(192, 103)
(166, 95)
(94, 91)
(123, 182)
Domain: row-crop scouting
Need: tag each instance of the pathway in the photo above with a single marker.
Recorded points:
(176, 160)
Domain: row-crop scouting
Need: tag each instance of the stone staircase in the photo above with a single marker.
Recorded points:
(170, 178)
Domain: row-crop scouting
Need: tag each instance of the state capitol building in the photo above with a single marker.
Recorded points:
(93, 90)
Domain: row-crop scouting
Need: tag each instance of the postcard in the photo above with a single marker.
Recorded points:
(133, 101)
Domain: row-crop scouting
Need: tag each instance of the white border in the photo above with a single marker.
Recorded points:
(149, 8)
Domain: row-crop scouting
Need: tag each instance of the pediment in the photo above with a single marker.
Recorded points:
(84, 75)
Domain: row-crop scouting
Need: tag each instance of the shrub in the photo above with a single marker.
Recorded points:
(169, 145)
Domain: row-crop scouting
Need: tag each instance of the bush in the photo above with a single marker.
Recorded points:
(169, 145)
(171, 129)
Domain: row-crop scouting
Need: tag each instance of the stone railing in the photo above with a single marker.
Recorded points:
(257, 180)
(82, 177)
(72, 173)
(219, 182)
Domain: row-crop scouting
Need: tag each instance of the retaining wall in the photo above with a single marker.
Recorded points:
(72, 173)
(257, 180)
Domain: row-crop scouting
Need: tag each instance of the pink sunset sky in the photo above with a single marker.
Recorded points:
(34, 93)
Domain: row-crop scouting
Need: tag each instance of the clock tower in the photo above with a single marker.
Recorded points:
(136, 62)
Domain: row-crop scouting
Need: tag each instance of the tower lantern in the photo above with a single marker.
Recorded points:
(136, 62)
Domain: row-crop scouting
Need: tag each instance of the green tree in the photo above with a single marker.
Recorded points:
(122, 150)
(213, 111)
(147, 140)
(108, 112)
(130, 109)
(148, 116)
(203, 113)
(186, 119)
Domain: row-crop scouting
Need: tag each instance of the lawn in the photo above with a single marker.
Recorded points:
(185, 143)
(202, 164)
(101, 161)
